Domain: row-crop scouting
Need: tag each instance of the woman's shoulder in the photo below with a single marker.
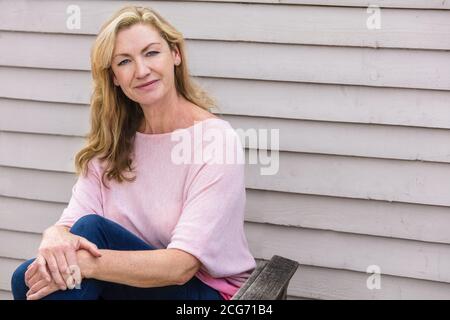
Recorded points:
(209, 120)
(216, 125)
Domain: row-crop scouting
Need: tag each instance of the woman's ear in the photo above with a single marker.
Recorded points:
(115, 80)
(176, 55)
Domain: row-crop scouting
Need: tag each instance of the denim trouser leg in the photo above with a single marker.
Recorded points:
(107, 234)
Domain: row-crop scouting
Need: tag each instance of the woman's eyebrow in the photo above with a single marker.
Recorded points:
(146, 47)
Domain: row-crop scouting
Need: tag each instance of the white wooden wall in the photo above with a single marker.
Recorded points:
(364, 119)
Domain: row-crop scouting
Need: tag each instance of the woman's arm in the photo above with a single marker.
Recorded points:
(57, 252)
(144, 269)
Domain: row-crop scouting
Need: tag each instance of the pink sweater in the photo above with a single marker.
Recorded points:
(197, 207)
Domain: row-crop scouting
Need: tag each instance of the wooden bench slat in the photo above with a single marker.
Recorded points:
(269, 282)
(260, 265)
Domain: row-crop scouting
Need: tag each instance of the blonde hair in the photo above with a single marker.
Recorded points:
(114, 117)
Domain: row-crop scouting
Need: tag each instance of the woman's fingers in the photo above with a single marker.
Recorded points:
(54, 270)
(34, 279)
(31, 271)
(37, 286)
(89, 246)
(42, 267)
(63, 267)
(33, 264)
(45, 291)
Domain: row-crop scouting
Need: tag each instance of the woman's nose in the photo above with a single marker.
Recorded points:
(142, 69)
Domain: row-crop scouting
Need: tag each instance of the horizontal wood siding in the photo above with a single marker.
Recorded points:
(363, 117)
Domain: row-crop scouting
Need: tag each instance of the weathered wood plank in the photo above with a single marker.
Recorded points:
(296, 63)
(405, 258)
(54, 118)
(380, 218)
(25, 247)
(5, 295)
(66, 86)
(378, 179)
(28, 215)
(369, 217)
(272, 281)
(260, 265)
(352, 177)
(409, 107)
(324, 283)
(311, 282)
(7, 268)
(373, 141)
(422, 4)
(303, 24)
(35, 184)
(56, 152)
(339, 103)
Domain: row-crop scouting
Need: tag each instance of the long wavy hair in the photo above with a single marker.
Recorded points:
(114, 117)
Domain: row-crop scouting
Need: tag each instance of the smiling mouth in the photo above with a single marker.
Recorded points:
(147, 84)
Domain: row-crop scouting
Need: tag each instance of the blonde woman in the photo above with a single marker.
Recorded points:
(140, 225)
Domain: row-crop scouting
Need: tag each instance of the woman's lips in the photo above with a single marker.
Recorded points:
(149, 86)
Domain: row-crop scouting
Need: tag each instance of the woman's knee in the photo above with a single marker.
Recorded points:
(18, 285)
(93, 228)
(87, 225)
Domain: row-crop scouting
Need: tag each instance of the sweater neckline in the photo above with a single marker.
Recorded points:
(168, 134)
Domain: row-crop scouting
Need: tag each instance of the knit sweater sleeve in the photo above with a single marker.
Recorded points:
(86, 197)
(212, 220)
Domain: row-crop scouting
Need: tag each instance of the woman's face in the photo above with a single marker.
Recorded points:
(141, 55)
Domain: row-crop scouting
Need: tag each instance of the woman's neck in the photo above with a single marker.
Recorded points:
(166, 118)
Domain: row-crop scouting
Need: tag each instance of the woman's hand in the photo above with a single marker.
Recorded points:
(40, 287)
(57, 253)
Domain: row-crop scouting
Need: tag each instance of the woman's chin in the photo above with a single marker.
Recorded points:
(147, 100)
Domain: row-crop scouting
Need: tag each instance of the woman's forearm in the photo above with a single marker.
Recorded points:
(144, 269)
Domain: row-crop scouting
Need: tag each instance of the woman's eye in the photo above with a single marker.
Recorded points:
(150, 53)
(122, 62)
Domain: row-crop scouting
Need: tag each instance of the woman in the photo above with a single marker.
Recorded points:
(140, 225)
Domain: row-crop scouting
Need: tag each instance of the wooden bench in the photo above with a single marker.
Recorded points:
(269, 280)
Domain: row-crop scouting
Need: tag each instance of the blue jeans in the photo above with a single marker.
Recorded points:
(107, 234)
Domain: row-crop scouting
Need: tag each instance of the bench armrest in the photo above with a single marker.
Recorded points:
(269, 280)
